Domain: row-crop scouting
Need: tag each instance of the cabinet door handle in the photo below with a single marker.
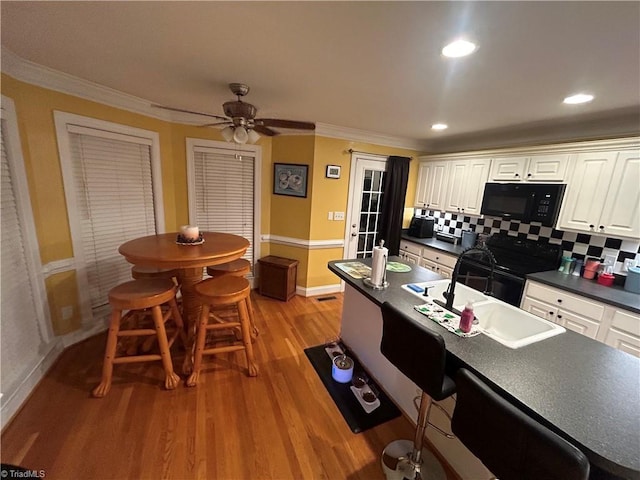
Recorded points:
(601, 227)
(559, 300)
(559, 316)
(592, 226)
(551, 313)
(528, 175)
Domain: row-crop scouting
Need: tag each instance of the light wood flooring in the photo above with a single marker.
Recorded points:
(279, 425)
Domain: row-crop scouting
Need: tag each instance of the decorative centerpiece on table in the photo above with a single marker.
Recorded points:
(190, 235)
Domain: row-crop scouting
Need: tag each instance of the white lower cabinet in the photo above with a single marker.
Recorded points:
(441, 263)
(623, 331)
(410, 252)
(616, 327)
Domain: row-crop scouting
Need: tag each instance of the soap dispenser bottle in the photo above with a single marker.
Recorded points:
(466, 319)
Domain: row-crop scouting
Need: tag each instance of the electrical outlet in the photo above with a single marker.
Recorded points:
(338, 215)
(628, 262)
(67, 312)
(609, 259)
(330, 216)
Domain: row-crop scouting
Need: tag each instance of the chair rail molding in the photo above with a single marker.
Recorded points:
(302, 243)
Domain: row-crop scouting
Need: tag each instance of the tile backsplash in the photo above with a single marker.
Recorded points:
(577, 245)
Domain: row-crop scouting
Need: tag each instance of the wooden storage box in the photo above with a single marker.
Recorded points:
(278, 277)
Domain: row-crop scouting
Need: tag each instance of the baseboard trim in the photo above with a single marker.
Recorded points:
(322, 290)
(21, 393)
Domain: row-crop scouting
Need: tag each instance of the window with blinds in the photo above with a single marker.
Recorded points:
(22, 333)
(223, 190)
(114, 203)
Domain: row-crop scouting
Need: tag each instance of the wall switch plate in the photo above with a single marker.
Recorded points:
(338, 215)
(330, 216)
(610, 260)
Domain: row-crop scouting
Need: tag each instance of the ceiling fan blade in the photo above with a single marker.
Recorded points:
(265, 131)
(190, 111)
(216, 124)
(274, 122)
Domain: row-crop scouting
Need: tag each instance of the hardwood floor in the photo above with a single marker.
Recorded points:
(281, 424)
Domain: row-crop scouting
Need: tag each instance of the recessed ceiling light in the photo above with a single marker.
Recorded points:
(439, 126)
(578, 98)
(459, 48)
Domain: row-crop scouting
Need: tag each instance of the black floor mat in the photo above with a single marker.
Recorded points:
(351, 410)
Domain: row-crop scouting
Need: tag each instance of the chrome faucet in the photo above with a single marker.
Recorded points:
(449, 294)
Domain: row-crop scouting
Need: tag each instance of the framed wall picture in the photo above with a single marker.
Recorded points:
(290, 179)
(333, 171)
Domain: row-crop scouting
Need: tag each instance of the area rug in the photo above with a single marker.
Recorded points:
(348, 405)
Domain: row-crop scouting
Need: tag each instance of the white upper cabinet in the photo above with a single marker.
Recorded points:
(621, 213)
(508, 169)
(534, 168)
(466, 185)
(603, 195)
(432, 182)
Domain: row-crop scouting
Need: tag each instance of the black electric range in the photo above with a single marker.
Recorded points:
(515, 259)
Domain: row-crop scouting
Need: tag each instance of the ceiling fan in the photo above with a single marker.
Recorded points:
(240, 121)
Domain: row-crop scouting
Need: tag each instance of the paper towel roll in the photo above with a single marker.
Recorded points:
(378, 264)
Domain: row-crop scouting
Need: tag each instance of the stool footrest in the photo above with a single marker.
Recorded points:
(230, 348)
(223, 326)
(137, 358)
(139, 332)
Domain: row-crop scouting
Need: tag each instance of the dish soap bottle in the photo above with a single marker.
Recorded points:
(466, 319)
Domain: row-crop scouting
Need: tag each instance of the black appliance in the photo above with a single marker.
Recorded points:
(515, 258)
(527, 202)
(421, 227)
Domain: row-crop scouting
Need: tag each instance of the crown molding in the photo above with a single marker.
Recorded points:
(45, 77)
(353, 134)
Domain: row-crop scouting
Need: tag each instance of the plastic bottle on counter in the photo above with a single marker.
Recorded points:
(466, 319)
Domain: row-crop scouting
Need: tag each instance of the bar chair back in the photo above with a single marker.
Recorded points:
(509, 442)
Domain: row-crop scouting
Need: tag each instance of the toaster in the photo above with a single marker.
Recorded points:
(421, 227)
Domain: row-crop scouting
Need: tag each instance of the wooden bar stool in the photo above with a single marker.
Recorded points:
(136, 295)
(138, 272)
(236, 268)
(218, 292)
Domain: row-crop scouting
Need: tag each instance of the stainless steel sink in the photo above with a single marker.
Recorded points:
(511, 326)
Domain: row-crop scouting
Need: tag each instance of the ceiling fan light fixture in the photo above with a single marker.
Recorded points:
(253, 136)
(227, 133)
(240, 135)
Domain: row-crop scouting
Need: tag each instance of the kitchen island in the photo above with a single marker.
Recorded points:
(587, 392)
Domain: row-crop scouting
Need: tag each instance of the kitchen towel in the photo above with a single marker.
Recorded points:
(445, 318)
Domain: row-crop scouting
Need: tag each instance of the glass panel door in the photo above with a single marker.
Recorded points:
(366, 206)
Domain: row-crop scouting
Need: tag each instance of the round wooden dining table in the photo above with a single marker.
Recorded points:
(163, 251)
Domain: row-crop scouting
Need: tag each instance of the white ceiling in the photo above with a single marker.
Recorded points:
(373, 66)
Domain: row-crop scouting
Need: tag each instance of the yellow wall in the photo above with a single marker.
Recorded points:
(299, 218)
(34, 110)
(330, 195)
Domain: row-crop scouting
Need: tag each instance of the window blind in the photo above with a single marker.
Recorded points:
(114, 195)
(21, 336)
(224, 193)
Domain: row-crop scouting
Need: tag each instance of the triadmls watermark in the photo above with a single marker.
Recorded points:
(16, 472)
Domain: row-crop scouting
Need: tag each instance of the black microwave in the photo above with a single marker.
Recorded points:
(526, 202)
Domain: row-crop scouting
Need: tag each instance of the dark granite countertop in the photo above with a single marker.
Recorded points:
(587, 392)
(434, 243)
(616, 296)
